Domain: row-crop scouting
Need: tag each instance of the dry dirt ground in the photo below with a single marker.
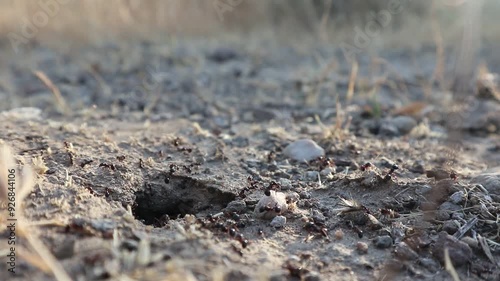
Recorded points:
(151, 166)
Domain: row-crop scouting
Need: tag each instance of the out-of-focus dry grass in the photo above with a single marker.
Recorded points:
(91, 20)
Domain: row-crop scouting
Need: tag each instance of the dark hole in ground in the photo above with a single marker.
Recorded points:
(180, 196)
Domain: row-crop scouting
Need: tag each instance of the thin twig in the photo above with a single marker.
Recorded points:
(61, 103)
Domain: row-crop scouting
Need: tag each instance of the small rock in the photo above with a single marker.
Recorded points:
(318, 217)
(423, 189)
(451, 226)
(460, 253)
(327, 172)
(292, 197)
(240, 141)
(312, 276)
(446, 209)
(278, 222)
(397, 126)
(473, 243)
(338, 234)
(237, 206)
(417, 167)
(305, 195)
(268, 206)
(285, 184)
(383, 242)
(404, 252)
(223, 54)
(457, 197)
(429, 264)
(490, 181)
(304, 150)
(362, 247)
(312, 176)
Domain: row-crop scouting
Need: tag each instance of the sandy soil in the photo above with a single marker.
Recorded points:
(153, 165)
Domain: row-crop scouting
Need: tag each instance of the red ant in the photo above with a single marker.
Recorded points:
(272, 186)
(325, 162)
(365, 167)
(389, 213)
(391, 174)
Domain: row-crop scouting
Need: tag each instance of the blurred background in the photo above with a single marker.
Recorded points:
(442, 41)
(326, 20)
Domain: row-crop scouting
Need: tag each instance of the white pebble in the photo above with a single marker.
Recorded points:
(304, 150)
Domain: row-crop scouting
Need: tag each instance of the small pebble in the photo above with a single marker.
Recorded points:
(446, 209)
(285, 184)
(304, 150)
(460, 253)
(362, 247)
(383, 242)
(451, 226)
(312, 276)
(457, 197)
(338, 234)
(238, 206)
(429, 264)
(278, 222)
(404, 252)
(312, 175)
(473, 243)
(490, 181)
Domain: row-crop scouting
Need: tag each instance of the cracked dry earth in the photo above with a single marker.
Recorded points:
(165, 187)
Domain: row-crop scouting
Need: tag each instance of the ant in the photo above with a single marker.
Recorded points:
(389, 213)
(314, 226)
(272, 186)
(356, 229)
(253, 185)
(365, 167)
(391, 174)
(324, 162)
(271, 156)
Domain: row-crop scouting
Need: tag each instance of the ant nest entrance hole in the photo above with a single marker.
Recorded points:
(168, 197)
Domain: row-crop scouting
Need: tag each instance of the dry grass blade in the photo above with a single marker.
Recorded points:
(44, 253)
(486, 248)
(6, 162)
(61, 103)
(466, 227)
(352, 80)
(45, 260)
(449, 266)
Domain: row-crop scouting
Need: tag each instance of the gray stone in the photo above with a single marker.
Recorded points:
(490, 181)
(304, 150)
(397, 126)
(451, 226)
(460, 253)
(312, 175)
(238, 206)
(429, 264)
(278, 222)
(446, 210)
(404, 252)
(285, 184)
(383, 242)
(457, 197)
